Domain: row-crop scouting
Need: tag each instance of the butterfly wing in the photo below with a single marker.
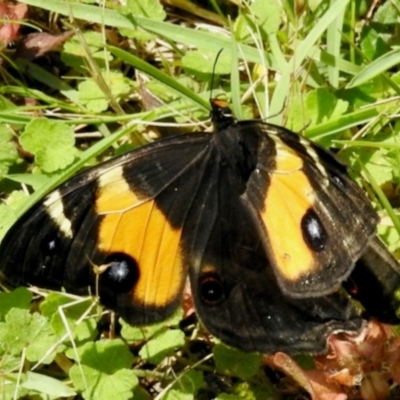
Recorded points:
(236, 292)
(316, 221)
(125, 219)
(374, 282)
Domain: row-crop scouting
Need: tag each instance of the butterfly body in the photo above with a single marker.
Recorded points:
(264, 224)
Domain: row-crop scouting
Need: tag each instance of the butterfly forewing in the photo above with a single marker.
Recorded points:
(126, 221)
(314, 220)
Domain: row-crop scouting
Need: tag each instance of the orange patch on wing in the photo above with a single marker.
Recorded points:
(138, 228)
(289, 196)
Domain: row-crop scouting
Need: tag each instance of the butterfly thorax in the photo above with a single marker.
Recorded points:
(237, 150)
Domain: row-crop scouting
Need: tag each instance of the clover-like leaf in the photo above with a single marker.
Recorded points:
(51, 142)
(104, 371)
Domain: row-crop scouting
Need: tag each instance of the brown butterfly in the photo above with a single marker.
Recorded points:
(272, 233)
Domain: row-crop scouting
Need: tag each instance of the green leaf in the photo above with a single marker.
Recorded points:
(18, 298)
(11, 386)
(161, 76)
(51, 142)
(164, 344)
(32, 332)
(305, 49)
(72, 311)
(387, 13)
(265, 14)
(239, 363)
(375, 68)
(201, 63)
(110, 355)
(35, 180)
(95, 99)
(174, 394)
(7, 217)
(141, 333)
(388, 232)
(106, 371)
(8, 214)
(16, 198)
(151, 9)
(47, 385)
(6, 104)
(177, 33)
(318, 107)
(8, 151)
(372, 44)
(383, 163)
(190, 383)
(323, 106)
(75, 55)
(137, 334)
(146, 8)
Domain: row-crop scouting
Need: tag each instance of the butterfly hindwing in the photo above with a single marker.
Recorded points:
(237, 295)
(375, 283)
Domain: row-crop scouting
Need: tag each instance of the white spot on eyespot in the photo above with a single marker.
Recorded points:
(314, 228)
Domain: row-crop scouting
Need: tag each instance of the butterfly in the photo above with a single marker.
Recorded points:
(269, 229)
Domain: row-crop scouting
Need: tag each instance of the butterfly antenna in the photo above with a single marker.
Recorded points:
(213, 72)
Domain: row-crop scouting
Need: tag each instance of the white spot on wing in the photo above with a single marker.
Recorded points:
(314, 156)
(113, 175)
(55, 209)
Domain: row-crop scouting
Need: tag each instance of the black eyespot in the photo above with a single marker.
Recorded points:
(50, 245)
(313, 231)
(211, 290)
(122, 272)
